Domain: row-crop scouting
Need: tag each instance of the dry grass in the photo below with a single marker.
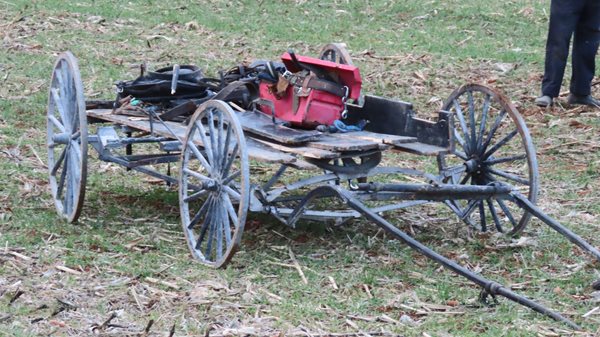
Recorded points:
(126, 265)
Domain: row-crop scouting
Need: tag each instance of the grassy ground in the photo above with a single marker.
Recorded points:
(127, 255)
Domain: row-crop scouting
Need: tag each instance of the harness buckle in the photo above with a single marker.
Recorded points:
(344, 102)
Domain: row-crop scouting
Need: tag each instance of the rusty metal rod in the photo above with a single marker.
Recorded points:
(441, 191)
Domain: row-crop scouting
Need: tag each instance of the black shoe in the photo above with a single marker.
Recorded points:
(583, 100)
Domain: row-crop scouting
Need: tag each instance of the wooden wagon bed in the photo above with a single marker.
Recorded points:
(275, 143)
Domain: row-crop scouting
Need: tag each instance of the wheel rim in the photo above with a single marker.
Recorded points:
(336, 52)
(214, 184)
(67, 137)
(497, 148)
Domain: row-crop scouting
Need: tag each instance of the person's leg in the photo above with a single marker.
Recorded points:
(564, 15)
(585, 47)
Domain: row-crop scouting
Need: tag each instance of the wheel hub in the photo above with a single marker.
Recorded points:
(473, 165)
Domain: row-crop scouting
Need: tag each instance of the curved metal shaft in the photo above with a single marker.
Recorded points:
(490, 287)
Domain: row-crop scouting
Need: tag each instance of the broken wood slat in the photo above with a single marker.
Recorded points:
(260, 124)
(255, 150)
(265, 153)
(139, 123)
(331, 143)
(305, 151)
(376, 137)
(420, 148)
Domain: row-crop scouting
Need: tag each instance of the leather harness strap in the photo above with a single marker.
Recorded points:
(327, 86)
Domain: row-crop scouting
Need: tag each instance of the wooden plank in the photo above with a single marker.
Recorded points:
(420, 148)
(255, 150)
(260, 124)
(139, 123)
(331, 143)
(301, 150)
(259, 151)
(376, 137)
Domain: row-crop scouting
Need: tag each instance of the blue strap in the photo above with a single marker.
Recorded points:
(343, 128)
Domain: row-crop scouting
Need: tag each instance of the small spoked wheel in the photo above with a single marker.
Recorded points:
(336, 52)
(214, 186)
(492, 144)
(67, 137)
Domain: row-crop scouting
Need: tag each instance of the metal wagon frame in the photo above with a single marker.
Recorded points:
(213, 148)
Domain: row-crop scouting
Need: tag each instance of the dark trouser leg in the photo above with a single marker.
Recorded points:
(564, 15)
(585, 47)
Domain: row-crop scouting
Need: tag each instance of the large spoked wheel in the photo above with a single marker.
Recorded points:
(214, 186)
(492, 145)
(336, 52)
(67, 137)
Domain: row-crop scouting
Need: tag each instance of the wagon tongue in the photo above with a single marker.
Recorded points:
(444, 192)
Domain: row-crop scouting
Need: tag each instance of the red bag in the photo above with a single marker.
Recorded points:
(315, 95)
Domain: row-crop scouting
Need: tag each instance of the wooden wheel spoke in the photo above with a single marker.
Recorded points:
(195, 196)
(199, 155)
(230, 210)
(482, 216)
(211, 231)
(232, 176)
(463, 125)
(204, 229)
(70, 184)
(494, 161)
(230, 160)
(57, 123)
(465, 179)
(74, 177)
(508, 176)
(469, 209)
(76, 150)
(59, 161)
(196, 174)
(220, 140)
(225, 148)
(495, 217)
(461, 155)
(59, 104)
(473, 136)
(74, 123)
(59, 78)
(216, 156)
(63, 174)
(483, 120)
(226, 221)
(501, 143)
(235, 195)
(205, 142)
(493, 130)
(219, 224)
(460, 140)
(64, 80)
(507, 212)
(205, 207)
